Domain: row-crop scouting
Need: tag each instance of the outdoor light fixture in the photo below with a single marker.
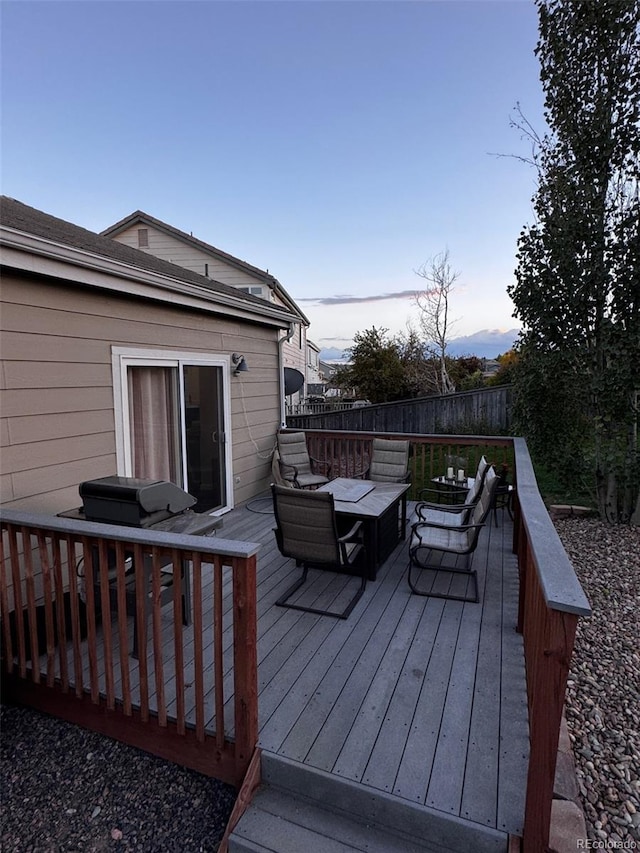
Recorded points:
(240, 363)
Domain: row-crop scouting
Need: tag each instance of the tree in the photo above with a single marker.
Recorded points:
(433, 303)
(577, 289)
(375, 370)
(508, 362)
(418, 372)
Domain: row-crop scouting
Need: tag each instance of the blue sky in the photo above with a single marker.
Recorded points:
(337, 144)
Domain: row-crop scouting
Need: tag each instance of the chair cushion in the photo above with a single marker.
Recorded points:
(438, 539)
(306, 480)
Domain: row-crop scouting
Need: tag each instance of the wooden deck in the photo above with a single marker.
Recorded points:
(420, 698)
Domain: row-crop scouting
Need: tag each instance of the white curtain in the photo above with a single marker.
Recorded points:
(154, 419)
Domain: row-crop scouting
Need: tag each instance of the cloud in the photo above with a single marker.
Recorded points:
(487, 343)
(358, 300)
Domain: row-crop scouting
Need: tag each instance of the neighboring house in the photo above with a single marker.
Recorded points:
(154, 237)
(314, 377)
(116, 361)
(490, 367)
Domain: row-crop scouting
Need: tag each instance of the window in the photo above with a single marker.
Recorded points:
(143, 238)
(254, 291)
(172, 418)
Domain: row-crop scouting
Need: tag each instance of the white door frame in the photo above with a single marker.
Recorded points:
(124, 357)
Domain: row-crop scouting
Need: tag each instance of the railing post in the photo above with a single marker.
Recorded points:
(245, 659)
(545, 715)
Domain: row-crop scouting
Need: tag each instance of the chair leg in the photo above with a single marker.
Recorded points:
(283, 600)
(471, 573)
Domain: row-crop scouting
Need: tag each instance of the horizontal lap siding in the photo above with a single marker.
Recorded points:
(57, 426)
(175, 251)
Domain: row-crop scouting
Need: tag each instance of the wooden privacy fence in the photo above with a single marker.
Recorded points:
(551, 599)
(487, 410)
(68, 628)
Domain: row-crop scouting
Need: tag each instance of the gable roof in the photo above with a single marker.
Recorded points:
(139, 217)
(26, 229)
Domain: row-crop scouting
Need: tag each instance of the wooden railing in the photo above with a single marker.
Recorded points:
(551, 599)
(68, 626)
(551, 602)
(348, 453)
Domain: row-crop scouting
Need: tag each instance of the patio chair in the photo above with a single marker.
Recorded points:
(432, 545)
(307, 532)
(389, 462)
(454, 514)
(296, 466)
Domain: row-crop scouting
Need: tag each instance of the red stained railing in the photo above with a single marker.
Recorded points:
(71, 652)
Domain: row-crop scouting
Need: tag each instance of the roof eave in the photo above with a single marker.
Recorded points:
(30, 253)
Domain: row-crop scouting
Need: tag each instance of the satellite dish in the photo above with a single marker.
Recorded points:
(293, 380)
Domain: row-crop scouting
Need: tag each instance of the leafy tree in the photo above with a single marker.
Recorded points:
(376, 369)
(465, 371)
(433, 303)
(508, 362)
(418, 372)
(577, 289)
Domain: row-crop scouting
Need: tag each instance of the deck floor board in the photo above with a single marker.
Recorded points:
(421, 698)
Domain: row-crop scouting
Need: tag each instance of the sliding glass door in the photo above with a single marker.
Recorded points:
(175, 424)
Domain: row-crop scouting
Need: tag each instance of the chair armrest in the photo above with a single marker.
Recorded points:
(457, 508)
(286, 470)
(323, 462)
(352, 535)
(452, 510)
(459, 528)
(361, 475)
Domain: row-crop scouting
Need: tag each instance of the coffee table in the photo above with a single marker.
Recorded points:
(382, 511)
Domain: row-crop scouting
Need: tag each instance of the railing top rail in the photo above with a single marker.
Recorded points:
(425, 438)
(136, 535)
(560, 586)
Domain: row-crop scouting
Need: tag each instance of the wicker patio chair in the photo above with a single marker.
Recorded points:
(296, 466)
(432, 544)
(307, 532)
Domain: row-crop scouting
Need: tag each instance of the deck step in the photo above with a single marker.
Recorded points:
(299, 808)
(277, 822)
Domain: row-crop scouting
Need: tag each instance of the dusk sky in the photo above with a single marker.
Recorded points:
(339, 145)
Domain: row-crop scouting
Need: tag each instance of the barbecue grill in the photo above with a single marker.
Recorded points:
(132, 501)
(136, 502)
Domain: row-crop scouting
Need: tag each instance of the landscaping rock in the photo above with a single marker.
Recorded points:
(603, 691)
(67, 789)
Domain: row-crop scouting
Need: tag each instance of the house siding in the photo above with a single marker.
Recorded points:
(57, 416)
(179, 252)
(175, 251)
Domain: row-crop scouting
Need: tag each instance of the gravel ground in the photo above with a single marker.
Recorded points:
(603, 695)
(68, 789)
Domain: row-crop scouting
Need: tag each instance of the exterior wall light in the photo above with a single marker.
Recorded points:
(240, 363)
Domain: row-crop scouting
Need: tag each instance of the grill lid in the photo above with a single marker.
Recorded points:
(151, 496)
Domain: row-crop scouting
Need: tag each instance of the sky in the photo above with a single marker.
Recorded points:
(338, 144)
